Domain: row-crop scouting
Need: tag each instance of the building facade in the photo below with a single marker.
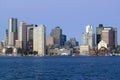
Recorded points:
(108, 35)
(39, 40)
(49, 41)
(22, 35)
(99, 33)
(84, 50)
(84, 38)
(12, 32)
(30, 36)
(57, 34)
(88, 37)
(6, 37)
(19, 44)
(63, 40)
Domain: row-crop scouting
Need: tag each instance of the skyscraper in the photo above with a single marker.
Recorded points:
(30, 36)
(12, 32)
(57, 34)
(91, 36)
(22, 34)
(115, 37)
(109, 36)
(63, 40)
(6, 37)
(39, 40)
(88, 37)
(99, 33)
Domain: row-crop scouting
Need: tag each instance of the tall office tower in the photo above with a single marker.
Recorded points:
(109, 36)
(91, 36)
(106, 33)
(12, 32)
(6, 38)
(30, 36)
(63, 40)
(56, 34)
(88, 37)
(22, 34)
(99, 33)
(39, 40)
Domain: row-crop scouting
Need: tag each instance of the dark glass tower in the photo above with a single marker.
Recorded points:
(99, 33)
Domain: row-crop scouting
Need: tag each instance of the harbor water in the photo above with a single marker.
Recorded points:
(60, 68)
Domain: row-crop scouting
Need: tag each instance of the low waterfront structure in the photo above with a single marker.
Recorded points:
(57, 51)
(84, 50)
(102, 44)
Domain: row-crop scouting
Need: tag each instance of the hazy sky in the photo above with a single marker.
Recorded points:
(71, 15)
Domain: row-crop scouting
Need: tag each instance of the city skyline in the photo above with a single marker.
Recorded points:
(23, 23)
(74, 14)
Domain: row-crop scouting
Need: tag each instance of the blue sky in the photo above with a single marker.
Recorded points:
(71, 15)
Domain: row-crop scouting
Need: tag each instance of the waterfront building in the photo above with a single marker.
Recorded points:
(12, 32)
(91, 36)
(103, 48)
(84, 50)
(39, 40)
(106, 35)
(1, 45)
(115, 37)
(4, 50)
(19, 44)
(99, 33)
(102, 44)
(88, 37)
(109, 34)
(57, 34)
(6, 37)
(58, 51)
(15, 51)
(22, 35)
(30, 36)
(63, 40)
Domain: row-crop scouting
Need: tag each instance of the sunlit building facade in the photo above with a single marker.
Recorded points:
(12, 31)
(39, 40)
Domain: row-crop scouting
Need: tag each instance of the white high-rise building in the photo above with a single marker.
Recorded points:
(12, 32)
(39, 40)
(91, 36)
(88, 37)
(89, 29)
(22, 33)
